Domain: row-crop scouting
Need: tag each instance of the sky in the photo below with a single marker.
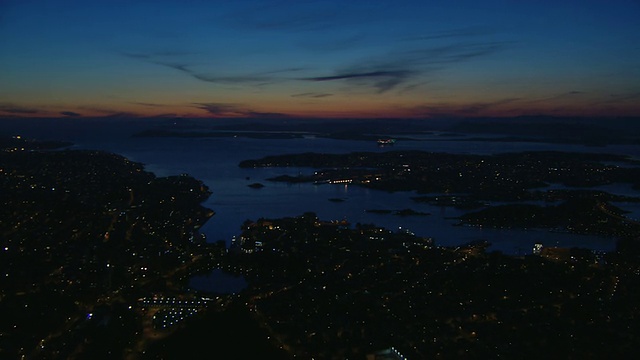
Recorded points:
(327, 59)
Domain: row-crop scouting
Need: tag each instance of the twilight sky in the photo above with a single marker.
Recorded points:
(238, 58)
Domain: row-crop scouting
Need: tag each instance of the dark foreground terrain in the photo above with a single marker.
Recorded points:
(95, 253)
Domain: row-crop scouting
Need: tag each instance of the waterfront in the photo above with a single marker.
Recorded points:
(215, 162)
(286, 259)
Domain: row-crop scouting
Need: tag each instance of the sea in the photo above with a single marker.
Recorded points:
(215, 162)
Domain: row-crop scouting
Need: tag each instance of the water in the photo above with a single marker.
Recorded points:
(219, 282)
(215, 161)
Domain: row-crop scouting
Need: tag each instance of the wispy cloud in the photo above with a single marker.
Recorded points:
(386, 72)
(109, 113)
(166, 115)
(478, 108)
(373, 74)
(382, 80)
(146, 104)
(462, 110)
(453, 53)
(121, 115)
(400, 67)
(235, 110)
(16, 109)
(312, 95)
(562, 96)
(261, 78)
(411, 87)
(619, 98)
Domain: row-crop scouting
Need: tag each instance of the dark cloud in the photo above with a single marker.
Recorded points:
(220, 109)
(109, 113)
(15, 109)
(452, 53)
(312, 95)
(617, 98)
(166, 115)
(121, 115)
(565, 95)
(382, 80)
(239, 79)
(177, 66)
(267, 115)
(456, 110)
(387, 72)
(398, 68)
(146, 104)
(374, 74)
(411, 87)
(235, 110)
(70, 113)
(260, 78)
(158, 59)
(478, 108)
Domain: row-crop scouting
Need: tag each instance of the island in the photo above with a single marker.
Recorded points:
(564, 185)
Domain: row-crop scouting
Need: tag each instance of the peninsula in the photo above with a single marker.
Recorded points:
(84, 236)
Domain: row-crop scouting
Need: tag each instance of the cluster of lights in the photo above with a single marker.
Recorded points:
(172, 317)
(173, 302)
(344, 181)
(398, 354)
(537, 248)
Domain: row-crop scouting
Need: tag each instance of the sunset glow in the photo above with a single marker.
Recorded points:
(412, 59)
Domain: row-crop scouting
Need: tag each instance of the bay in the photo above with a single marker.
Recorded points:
(215, 162)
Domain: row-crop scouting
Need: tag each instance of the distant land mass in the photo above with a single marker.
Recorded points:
(593, 131)
(586, 131)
